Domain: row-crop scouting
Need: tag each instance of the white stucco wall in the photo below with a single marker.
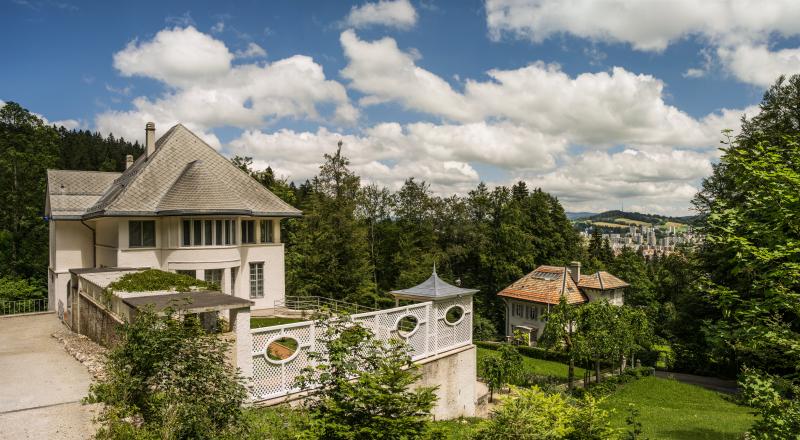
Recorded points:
(71, 248)
(514, 320)
(614, 297)
(454, 373)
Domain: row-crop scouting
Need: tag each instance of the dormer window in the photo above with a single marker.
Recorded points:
(266, 231)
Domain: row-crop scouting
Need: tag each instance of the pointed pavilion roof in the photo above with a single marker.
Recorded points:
(434, 288)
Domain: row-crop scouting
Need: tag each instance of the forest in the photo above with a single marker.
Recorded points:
(731, 303)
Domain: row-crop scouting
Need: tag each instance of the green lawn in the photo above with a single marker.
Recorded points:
(537, 366)
(673, 410)
(272, 320)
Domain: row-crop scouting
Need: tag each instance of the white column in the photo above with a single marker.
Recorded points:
(240, 320)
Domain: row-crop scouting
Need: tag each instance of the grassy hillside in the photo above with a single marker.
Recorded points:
(673, 410)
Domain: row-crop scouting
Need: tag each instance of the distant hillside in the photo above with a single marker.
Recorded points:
(577, 215)
(622, 219)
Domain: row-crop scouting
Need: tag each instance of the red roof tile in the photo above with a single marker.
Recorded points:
(545, 285)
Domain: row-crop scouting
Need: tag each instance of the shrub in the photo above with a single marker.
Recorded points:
(167, 378)
(154, 279)
(534, 352)
(17, 289)
(534, 414)
(776, 401)
(363, 386)
(610, 384)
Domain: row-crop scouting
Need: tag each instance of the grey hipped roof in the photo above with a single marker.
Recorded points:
(71, 193)
(184, 176)
(434, 288)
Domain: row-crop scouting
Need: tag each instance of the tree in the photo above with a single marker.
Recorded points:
(501, 369)
(328, 255)
(28, 148)
(168, 378)
(560, 333)
(596, 322)
(363, 385)
(752, 253)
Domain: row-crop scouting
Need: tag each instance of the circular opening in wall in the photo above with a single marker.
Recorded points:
(453, 315)
(281, 349)
(407, 325)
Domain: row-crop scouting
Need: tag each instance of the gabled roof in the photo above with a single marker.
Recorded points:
(71, 193)
(546, 284)
(601, 280)
(184, 176)
(434, 288)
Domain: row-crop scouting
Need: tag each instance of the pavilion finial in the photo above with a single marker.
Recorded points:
(434, 268)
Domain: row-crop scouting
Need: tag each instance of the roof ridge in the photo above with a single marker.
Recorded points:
(600, 278)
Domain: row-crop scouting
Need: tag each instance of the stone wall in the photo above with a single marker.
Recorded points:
(97, 323)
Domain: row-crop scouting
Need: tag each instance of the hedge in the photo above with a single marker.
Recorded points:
(536, 353)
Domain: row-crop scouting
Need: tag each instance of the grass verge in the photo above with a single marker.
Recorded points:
(537, 366)
(257, 322)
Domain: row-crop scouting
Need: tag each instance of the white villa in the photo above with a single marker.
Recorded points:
(529, 298)
(180, 207)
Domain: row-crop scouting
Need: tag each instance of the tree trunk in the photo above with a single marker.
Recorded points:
(597, 370)
(571, 373)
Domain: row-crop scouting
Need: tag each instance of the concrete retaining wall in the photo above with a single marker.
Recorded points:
(455, 374)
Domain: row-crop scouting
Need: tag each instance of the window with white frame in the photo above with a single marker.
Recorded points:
(208, 232)
(213, 276)
(266, 231)
(141, 233)
(256, 280)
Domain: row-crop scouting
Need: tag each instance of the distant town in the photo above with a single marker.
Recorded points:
(649, 234)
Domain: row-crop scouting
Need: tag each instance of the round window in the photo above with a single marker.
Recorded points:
(454, 314)
(282, 349)
(407, 325)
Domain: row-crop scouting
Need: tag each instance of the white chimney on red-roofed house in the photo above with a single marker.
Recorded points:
(150, 138)
(575, 271)
(128, 161)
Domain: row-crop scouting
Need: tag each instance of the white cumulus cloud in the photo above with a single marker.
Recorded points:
(739, 28)
(391, 13)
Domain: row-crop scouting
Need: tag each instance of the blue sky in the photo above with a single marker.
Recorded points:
(596, 102)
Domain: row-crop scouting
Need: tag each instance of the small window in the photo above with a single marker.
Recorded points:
(214, 276)
(234, 270)
(191, 273)
(454, 314)
(256, 280)
(282, 349)
(141, 233)
(218, 232)
(407, 325)
(266, 231)
(248, 231)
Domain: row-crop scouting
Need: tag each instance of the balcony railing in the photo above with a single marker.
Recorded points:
(23, 306)
(313, 303)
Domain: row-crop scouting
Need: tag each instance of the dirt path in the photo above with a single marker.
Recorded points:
(40, 384)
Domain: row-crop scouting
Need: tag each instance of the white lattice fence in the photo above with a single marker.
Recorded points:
(432, 335)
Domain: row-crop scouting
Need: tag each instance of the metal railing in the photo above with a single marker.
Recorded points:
(23, 306)
(306, 303)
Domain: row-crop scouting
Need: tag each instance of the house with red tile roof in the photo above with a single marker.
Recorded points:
(529, 298)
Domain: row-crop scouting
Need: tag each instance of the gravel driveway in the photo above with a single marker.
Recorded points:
(40, 384)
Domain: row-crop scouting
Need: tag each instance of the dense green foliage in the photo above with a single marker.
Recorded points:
(28, 147)
(776, 401)
(167, 378)
(17, 289)
(154, 279)
(752, 254)
(533, 414)
(362, 386)
(359, 242)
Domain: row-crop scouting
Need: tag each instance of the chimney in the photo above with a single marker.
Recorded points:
(150, 138)
(575, 271)
(128, 161)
